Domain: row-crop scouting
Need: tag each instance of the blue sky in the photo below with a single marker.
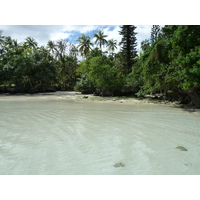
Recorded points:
(75, 34)
(43, 33)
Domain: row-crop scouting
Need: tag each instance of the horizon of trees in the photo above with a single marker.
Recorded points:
(168, 63)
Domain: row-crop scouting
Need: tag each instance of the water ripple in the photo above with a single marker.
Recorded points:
(64, 137)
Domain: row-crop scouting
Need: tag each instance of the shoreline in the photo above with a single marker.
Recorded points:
(78, 96)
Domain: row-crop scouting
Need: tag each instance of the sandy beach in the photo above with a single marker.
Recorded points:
(78, 96)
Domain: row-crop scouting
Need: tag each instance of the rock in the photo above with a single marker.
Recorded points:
(181, 148)
(85, 97)
(120, 164)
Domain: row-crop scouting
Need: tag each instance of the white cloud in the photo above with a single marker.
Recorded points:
(114, 34)
(58, 36)
(80, 28)
(43, 33)
(144, 32)
(85, 29)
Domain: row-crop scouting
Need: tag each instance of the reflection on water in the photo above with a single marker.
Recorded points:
(58, 136)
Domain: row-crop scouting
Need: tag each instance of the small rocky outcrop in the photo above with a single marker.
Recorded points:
(181, 148)
(120, 164)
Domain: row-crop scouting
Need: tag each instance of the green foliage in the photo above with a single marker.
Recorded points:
(84, 45)
(155, 31)
(134, 79)
(189, 69)
(100, 38)
(102, 73)
(31, 68)
(95, 53)
(33, 72)
(169, 61)
(152, 64)
(66, 71)
(166, 63)
(128, 46)
(112, 45)
(185, 38)
(85, 84)
(145, 45)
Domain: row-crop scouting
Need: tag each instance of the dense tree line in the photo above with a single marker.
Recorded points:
(168, 63)
(26, 67)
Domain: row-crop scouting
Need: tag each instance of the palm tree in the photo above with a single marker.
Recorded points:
(74, 51)
(15, 44)
(8, 41)
(61, 47)
(7, 45)
(112, 45)
(1, 38)
(144, 45)
(85, 45)
(17, 47)
(51, 46)
(30, 43)
(100, 38)
(1, 43)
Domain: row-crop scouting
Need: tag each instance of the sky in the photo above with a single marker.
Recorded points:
(43, 33)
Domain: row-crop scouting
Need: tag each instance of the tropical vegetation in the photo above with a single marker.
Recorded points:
(167, 63)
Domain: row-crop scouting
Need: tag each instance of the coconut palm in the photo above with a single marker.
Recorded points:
(100, 38)
(8, 41)
(7, 45)
(51, 46)
(1, 38)
(15, 44)
(85, 45)
(1, 43)
(61, 47)
(74, 51)
(17, 47)
(145, 44)
(112, 45)
(30, 43)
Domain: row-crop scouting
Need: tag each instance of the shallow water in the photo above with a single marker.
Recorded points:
(43, 135)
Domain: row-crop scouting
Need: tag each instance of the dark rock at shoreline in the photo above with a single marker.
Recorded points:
(181, 148)
(120, 164)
